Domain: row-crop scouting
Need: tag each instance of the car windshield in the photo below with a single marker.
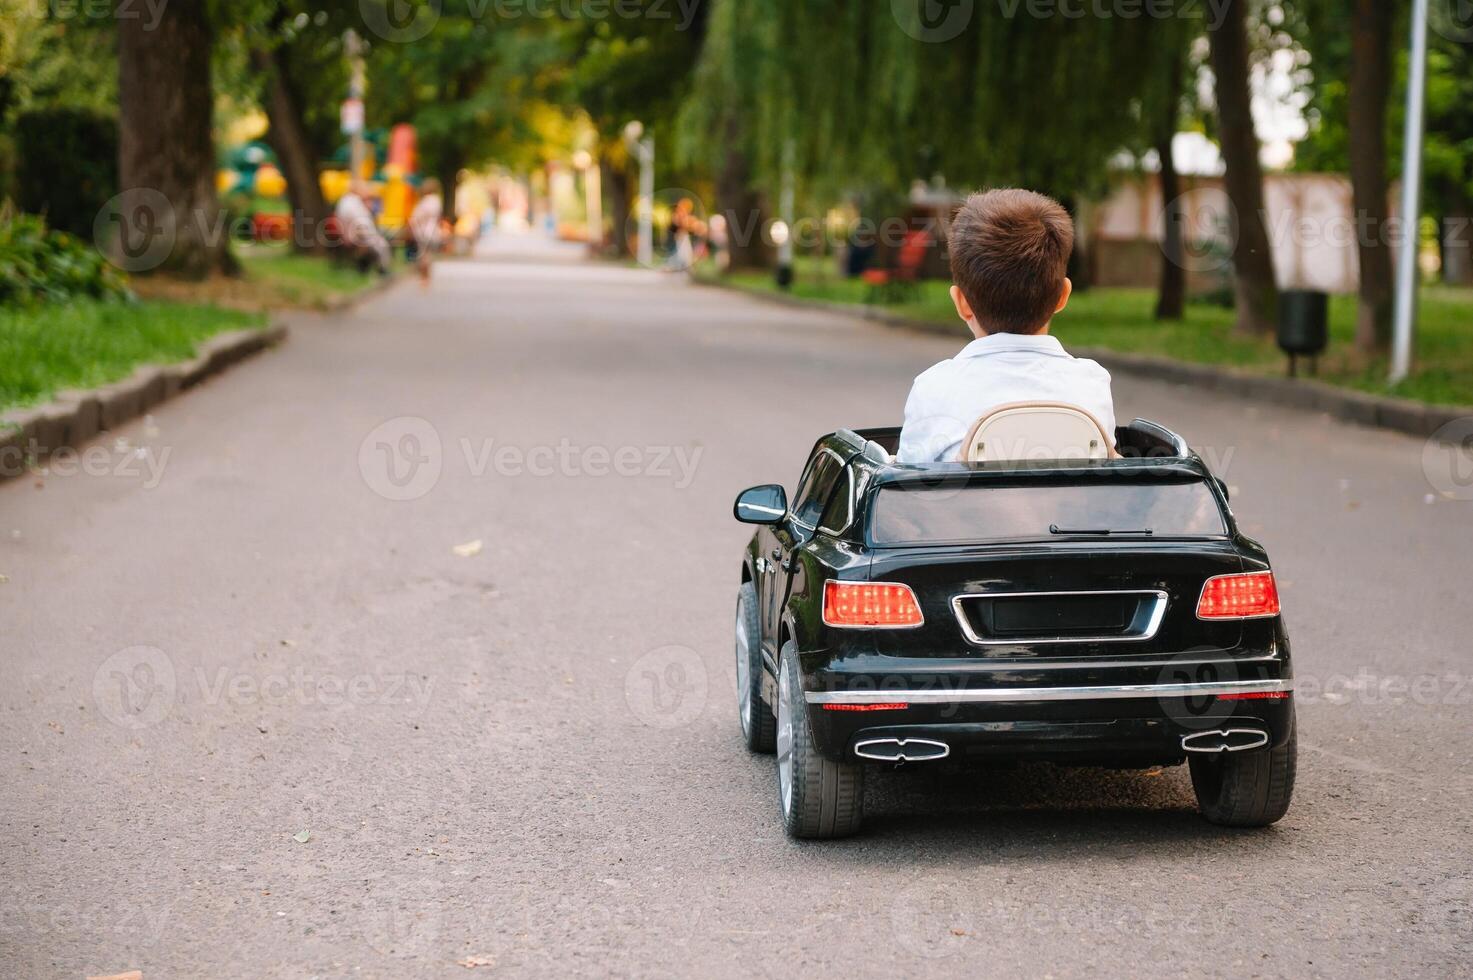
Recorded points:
(909, 515)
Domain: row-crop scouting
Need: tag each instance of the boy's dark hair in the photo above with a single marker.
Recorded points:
(1009, 250)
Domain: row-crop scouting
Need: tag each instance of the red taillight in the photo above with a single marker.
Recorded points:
(1246, 596)
(898, 706)
(885, 605)
(1256, 696)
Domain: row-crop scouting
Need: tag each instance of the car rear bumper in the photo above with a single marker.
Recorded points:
(1114, 725)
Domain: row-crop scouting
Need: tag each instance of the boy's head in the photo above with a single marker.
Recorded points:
(1009, 250)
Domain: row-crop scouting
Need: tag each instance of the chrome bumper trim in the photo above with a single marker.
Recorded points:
(992, 695)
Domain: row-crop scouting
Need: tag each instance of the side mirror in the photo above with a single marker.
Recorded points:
(767, 504)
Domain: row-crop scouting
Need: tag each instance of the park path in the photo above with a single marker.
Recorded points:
(262, 718)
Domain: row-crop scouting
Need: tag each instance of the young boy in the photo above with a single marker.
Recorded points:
(1009, 249)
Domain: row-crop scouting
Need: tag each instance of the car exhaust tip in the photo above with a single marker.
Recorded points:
(1226, 740)
(900, 750)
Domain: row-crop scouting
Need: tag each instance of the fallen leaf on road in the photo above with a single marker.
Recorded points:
(130, 975)
(4, 579)
(302, 836)
(471, 962)
(468, 550)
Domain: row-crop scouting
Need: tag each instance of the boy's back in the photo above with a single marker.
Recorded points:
(1009, 249)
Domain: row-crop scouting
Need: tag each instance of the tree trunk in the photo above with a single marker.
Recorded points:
(1370, 83)
(1457, 245)
(615, 180)
(1171, 298)
(1253, 266)
(741, 206)
(451, 161)
(289, 138)
(165, 149)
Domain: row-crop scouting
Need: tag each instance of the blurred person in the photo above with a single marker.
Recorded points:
(359, 230)
(1009, 250)
(425, 225)
(682, 246)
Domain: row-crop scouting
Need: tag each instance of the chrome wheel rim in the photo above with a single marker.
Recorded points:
(784, 739)
(743, 666)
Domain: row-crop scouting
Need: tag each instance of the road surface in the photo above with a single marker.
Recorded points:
(261, 718)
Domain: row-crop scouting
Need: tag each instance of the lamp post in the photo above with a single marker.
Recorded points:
(353, 109)
(643, 147)
(1411, 197)
(782, 229)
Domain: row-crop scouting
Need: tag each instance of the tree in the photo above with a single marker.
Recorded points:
(1370, 86)
(1253, 268)
(1171, 296)
(165, 147)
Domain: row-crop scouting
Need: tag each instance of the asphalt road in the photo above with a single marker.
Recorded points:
(260, 719)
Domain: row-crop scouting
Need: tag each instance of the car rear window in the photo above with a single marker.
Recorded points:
(905, 515)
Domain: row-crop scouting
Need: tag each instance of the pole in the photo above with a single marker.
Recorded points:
(785, 209)
(357, 84)
(647, 201)
(1411, 197)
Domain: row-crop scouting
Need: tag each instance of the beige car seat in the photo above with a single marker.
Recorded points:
(1035, 430)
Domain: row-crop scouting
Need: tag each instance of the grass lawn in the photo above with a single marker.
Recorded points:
(89, 343)
(1121, 320)
(274, 277)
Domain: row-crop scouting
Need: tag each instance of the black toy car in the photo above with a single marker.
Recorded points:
(1094, 612)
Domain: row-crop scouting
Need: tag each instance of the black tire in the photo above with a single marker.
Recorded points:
(1246, 789)
(759, 725)
(819, 799)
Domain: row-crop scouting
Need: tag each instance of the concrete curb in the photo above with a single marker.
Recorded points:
(1379, 411)
(73, 417)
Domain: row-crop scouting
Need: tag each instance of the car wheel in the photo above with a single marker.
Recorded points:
(820, 798)
(759, 727)
(1246, 789)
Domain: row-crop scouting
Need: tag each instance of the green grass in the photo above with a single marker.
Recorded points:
(1122, 320)
(89, 343)
(301, 280)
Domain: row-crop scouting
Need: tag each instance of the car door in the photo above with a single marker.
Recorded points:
(814, 490)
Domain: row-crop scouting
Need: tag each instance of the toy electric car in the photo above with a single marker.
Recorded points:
(1101, 612)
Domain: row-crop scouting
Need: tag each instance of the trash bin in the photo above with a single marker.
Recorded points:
(1304, 325)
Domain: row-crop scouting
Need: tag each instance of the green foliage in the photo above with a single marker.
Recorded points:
(1042, 101)
(67, 166)
(41, 266)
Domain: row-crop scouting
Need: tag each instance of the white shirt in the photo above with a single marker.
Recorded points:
(993, 371)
